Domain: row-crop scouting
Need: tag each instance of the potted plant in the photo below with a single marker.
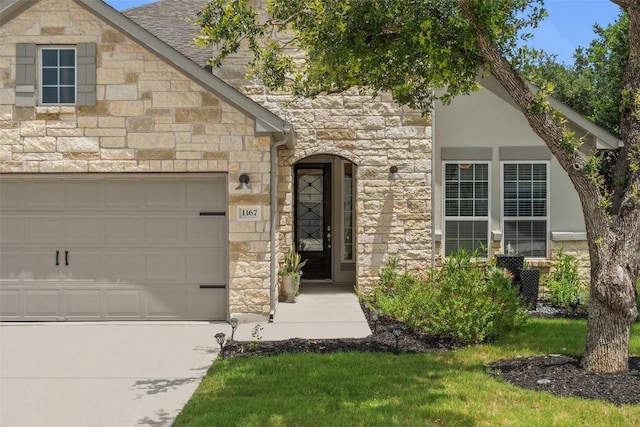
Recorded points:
(291, 271)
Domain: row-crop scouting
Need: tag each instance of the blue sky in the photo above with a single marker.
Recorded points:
(569, 24)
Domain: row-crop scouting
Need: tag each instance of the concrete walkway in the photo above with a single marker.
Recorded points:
(130, 374)
(322, 310)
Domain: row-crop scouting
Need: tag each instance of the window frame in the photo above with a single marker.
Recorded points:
(40, 82)
(546, 218)
(446, 217)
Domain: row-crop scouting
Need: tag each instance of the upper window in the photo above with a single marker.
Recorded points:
(58, 75)
(466, 207)
(525, 208)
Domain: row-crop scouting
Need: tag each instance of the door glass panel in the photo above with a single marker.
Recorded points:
(309, 210)
(348, 213)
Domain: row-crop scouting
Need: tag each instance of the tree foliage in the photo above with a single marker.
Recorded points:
(592, 85)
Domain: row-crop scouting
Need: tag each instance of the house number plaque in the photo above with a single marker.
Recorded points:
(249, 213)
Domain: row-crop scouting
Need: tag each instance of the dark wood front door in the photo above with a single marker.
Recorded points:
(313, 218)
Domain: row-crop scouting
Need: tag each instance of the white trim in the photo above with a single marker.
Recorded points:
(547, 218)
(567, 236)
(40, 81)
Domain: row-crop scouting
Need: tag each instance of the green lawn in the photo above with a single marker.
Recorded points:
(372, 389)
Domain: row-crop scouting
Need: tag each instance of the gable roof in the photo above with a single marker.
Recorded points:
(266, 121)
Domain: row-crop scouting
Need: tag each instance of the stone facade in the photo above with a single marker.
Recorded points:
(392, 217)
(149, 117)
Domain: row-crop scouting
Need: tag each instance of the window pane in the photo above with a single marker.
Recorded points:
(50, 76)
(67, 76)
(451, 172)
(67, 57)
(482, 190)
(67, 95)
(482, 172)
(524, 172)
(539, 208)
(524, 208)
(451, 208)
(49, 95)
(528, 238)
(510, 172)
(466, 190)
(50, 57)
(451, 190)
(466, 207)
(482, 208)
(468, 235)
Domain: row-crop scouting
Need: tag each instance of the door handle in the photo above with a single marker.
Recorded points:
(57, 257)
(66, 257)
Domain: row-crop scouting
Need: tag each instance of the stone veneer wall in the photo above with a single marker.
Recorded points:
(392, 217)
(148, 118)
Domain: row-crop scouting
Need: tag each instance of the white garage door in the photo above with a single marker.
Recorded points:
(113, 248)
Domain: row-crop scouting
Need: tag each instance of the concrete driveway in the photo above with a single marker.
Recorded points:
(101, 374)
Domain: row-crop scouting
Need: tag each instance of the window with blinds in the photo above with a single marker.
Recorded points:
(525, 208)
(466, 207)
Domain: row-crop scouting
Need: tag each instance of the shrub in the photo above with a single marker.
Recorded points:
(563, 282)
(467, 302)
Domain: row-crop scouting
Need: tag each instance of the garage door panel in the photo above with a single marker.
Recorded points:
(83, 303)
(165, 230)
(83, 194)
(167, 302)
(43, 193)
(123, 303)
(86, 265)
(11, 193)
(42, 303)
(206, 267)
(125, 266)
(164, 193)
(31, 265)
(204, 193)
(207, 231)
(207, 304)
(11, 229)
(165, 267)
(124, 193)
(87, 230)
(41, 229)
(10, 303)
(124, 230)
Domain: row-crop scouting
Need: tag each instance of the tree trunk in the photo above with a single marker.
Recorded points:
(607, 348)
(613, 240)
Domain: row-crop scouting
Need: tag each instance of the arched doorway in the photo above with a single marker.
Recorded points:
(324, 217)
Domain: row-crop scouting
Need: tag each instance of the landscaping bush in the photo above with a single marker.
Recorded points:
(564, 285)
(465, 301)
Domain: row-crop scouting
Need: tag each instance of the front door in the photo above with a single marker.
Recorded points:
(313, 218)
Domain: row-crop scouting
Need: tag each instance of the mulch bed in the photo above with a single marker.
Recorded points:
(561, 375)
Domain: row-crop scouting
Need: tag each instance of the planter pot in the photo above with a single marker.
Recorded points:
(290, 287)
(513, 264)
(529, 284)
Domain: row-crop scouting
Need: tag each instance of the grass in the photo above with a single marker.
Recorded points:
(372, 389)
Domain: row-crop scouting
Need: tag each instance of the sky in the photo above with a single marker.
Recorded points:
(568, 26)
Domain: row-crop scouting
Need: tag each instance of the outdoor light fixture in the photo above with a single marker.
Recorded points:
(397, 331)
(375, 316)
(220, 336)
(393, 173)
(245, 182)
(234, 324)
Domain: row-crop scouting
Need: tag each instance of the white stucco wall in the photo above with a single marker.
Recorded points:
(482, 119)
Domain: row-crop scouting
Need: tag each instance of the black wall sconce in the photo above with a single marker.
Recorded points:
(245, 182)
(393, 173)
